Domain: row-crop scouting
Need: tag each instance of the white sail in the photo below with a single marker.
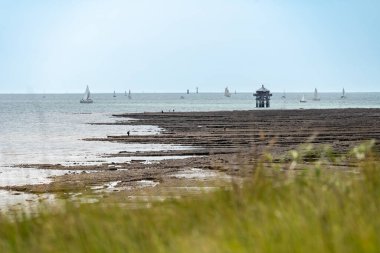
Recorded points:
(87, 96)
(129, 94)
(303, 100)
(343, 94)
(316, 98)
(227, 92)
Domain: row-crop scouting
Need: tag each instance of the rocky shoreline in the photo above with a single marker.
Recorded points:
(223, 141)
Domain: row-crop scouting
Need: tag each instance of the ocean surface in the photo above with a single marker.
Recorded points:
(49, 128)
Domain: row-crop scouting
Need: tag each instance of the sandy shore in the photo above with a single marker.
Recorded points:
(223, 141)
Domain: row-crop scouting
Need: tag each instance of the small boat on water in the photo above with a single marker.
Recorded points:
(114, 94)
(303, 100)
(86, 97)
(188, 91)
(343, 94)
(129, 94)
(283, 95)
(227, 92)
(316, 97)
(196, 90)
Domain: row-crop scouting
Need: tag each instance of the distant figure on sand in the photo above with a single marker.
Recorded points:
(128, 133)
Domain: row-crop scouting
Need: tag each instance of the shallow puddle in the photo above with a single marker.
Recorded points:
(11, 200)
(10, 176)
(195, 173)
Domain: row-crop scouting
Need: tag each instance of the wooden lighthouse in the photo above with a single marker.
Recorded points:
(262, 97)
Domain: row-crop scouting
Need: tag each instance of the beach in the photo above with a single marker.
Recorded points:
(189, 126)
(222, 144)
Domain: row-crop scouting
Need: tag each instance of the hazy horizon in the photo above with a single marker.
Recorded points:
(169, 46)
(184, 92)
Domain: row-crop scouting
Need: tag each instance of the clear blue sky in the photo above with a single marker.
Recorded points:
(171, 45)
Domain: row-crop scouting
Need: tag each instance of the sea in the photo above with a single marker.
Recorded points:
(50, 128)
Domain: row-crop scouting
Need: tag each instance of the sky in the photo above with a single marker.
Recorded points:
(55, 46)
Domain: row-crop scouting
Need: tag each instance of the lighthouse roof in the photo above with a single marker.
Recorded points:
(262, 89)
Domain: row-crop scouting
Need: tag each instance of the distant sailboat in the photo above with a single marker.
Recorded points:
(86, 97)
(227, 92)
(196, 90)
(187, 92)
(343, 94)
(114, 94)
(303, 100)
(129, 94)
(316, 98)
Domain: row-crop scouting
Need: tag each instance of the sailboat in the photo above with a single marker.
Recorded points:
(227, 92)
(86, 97)
(129, 94)
(343, 94)
(196, 90)
(114, 94)
(316, 98)
(303, 100)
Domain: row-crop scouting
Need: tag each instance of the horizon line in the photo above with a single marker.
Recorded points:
(175, 92)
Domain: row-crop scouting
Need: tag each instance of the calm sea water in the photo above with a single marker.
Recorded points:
(49, 128)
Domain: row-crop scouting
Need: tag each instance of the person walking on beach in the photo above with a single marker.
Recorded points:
(128, 133)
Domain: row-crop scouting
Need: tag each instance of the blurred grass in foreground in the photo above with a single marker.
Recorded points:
(312, 210)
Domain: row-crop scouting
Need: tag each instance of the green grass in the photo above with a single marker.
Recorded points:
(313, 210)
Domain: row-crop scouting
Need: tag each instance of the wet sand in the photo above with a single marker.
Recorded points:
(227, 142)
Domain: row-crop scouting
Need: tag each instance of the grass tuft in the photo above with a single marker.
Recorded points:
(312, 210)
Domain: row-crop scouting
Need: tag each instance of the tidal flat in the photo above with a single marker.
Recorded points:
(224, 142)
